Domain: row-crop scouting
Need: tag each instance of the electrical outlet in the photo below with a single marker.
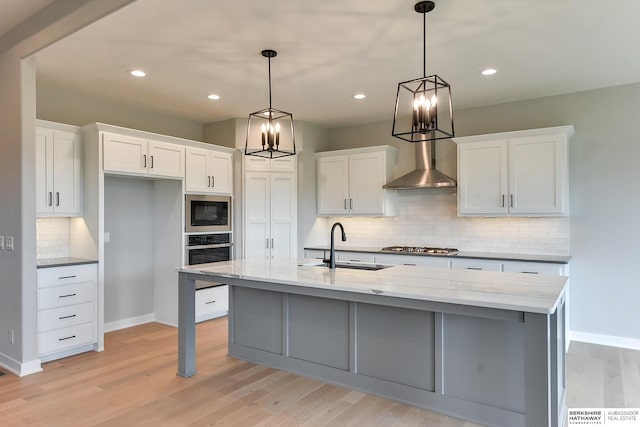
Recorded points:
(9, 243)
(11, 336)
(1, 243)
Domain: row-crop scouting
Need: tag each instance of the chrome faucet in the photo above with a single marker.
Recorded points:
(332, 253)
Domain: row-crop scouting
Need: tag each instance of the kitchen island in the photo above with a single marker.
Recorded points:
(482, 346)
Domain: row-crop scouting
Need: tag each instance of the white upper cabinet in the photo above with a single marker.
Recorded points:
(270, 215)
(208, 171)
(350, 181)
(261, 164)
(522, 173)
(138, 156)
(58, 173)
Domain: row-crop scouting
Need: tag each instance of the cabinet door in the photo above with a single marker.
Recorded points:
(366, 178)
(125, 154)
(67, 174)
(283, 215)
(333, 193)
(166, 159)
(197, 177)
(482, 178)
(221, 173)
(256, 215)
(536, 175)
(44, 171)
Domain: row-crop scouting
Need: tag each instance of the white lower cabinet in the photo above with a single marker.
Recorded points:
(354, 256)
(67, 310)
(314, 253)
(476, 264)
(212, 302)
(546, 268)
(417, 260)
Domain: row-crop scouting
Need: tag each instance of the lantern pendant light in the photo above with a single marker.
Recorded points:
(423, 109)
(269, 130)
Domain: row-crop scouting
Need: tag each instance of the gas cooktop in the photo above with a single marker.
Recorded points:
(420, 250)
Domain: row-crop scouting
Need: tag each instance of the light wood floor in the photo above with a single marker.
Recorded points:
(133, 383)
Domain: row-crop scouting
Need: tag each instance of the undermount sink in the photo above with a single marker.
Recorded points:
(354, 266)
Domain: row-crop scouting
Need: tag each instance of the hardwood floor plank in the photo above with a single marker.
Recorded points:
(134, 383)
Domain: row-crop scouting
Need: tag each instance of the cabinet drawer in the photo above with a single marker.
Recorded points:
(418, 260)
(534, 268)
(476, 264)
(62, 296)
(355, 256)
(61, 339)
(211, 300)
(64, 317)
(314, 253)
(66, 275)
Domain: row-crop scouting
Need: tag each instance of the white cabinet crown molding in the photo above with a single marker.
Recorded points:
(568, 130)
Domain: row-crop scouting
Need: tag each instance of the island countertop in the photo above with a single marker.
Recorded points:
(506, 291)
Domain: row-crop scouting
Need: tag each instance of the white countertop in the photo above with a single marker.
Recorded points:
(507, 291)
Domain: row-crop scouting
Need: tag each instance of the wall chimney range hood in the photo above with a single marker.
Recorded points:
(425, 174)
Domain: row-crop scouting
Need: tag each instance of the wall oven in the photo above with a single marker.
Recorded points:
(207, 213)
(203, 248)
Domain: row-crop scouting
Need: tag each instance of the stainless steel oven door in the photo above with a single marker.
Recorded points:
(208, 253)
(207, 213)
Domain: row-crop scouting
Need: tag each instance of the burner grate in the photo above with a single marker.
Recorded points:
(420, 250)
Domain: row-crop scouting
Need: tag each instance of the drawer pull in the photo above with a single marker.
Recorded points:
(529, 272)
(67, 317)
(66, 338)
(67, 296)
(66, 277)
(210, 302)
(474, 268)
(410, 264)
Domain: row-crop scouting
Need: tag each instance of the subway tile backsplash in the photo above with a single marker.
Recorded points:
(52, 236)
(429, 218)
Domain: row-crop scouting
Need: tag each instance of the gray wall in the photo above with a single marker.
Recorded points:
(129, 256)
(64, 106)
(604, 178)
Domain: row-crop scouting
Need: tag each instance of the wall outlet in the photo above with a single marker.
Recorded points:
(1, 243)
(11, 336)
(9, 243)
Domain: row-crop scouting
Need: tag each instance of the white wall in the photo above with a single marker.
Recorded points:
(65, 106)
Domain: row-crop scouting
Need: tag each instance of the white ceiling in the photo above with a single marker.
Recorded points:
(331, 49)
(16, 11)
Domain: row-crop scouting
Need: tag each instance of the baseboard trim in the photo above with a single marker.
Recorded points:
(127, 323)
(20, 369)
(166, 323)
(608, 340)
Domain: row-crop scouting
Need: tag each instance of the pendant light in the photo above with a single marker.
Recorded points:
(423, 106)
(270, 131)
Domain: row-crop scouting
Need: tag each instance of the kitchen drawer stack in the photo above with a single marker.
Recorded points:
(212, 302)
(66, 310)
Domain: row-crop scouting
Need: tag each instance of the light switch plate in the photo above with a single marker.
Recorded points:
(1, 243)
(9, 243)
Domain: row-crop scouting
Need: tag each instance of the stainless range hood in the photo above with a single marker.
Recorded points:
(425, 175)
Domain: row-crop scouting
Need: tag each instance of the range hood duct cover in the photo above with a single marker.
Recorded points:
(425, 175)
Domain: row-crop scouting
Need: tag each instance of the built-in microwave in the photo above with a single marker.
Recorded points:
(207, 213)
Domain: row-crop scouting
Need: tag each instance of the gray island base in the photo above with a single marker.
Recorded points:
(481, 346)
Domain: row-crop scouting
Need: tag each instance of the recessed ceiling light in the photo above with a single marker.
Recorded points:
(137, 73)
(213, 96)
(359, 96)
(488, 71)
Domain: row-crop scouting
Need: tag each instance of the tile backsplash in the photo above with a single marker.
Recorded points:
(52, 236)
(429, 218)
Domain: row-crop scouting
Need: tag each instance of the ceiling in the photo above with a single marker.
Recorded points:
(16, 11)
(331, 49)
